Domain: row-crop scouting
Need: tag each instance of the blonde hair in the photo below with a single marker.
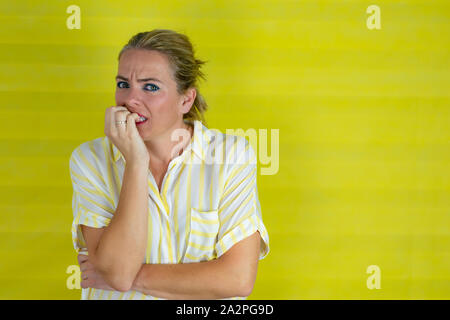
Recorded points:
(185, 67)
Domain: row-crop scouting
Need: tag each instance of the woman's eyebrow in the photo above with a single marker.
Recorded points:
(139, 80)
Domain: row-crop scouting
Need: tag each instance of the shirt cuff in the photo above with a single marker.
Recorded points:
(87, 218)
(246, 228)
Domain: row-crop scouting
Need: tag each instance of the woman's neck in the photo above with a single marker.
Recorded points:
(158, 149)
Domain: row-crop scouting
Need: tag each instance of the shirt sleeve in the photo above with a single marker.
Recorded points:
(91, 202)
(239, 208)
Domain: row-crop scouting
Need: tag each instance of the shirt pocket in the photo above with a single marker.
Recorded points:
(202, 235)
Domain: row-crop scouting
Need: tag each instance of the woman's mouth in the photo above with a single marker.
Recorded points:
(141, 120)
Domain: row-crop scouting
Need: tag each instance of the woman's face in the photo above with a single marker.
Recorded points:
(144, 85)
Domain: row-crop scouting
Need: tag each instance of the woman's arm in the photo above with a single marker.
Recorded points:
(232, 274)
(117, 251)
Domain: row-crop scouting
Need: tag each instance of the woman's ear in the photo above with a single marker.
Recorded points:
(188, 100)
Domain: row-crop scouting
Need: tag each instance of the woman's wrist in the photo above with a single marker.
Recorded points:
(137, 165)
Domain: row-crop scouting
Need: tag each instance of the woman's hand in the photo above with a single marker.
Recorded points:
(125, 136)
(90, 278)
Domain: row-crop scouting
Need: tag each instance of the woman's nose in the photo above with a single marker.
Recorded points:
(133, 96)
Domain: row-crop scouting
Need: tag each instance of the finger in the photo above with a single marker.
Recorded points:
(121, 115)
(85, 284)
(131, 122)
(85, 266)
(88, 265)
(118, 108)
(111, 118)
(110, 126)
(82, 258)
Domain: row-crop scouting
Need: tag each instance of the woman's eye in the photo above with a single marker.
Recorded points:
(152, 86)
(118, 84)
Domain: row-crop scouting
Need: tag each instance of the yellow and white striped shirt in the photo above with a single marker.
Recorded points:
(208, 200)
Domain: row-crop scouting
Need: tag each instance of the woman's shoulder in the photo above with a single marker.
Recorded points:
(96, 152)
(232, 145)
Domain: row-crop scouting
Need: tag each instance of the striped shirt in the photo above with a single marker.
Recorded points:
(208, 200)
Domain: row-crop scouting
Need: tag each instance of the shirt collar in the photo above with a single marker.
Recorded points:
(199, 144)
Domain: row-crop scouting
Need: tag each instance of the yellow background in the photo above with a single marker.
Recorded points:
(363, 117)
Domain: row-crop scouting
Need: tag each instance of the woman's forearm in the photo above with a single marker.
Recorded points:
(212, 279)
(122, 245)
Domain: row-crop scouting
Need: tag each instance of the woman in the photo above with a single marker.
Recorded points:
(154, 217)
